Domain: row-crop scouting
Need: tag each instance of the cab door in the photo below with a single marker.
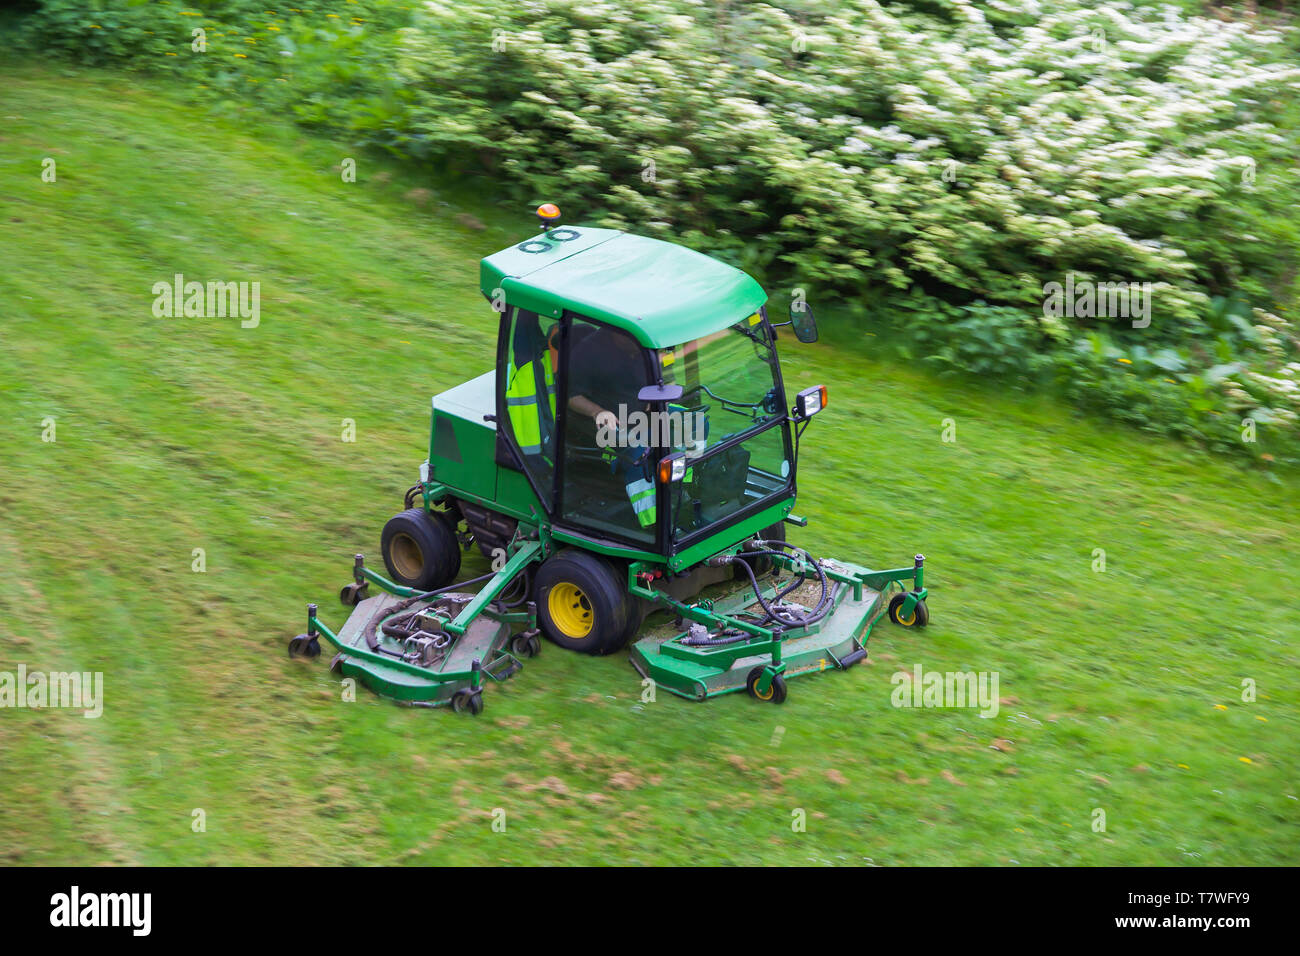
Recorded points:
(606, 476)
(528, 399)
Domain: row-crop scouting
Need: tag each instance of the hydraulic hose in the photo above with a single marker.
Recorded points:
(729, 636)
(406, 603)
(784, 616)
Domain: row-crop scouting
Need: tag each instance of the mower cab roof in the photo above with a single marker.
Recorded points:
(662, 293)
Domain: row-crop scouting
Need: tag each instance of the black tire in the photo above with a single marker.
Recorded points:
(524, 644)
(353, 594)
(467, 700)
(763, 565)
(584, 591)
(637, 612)
(920, 615)
(420, 550)
(775, 693)
(304, 646)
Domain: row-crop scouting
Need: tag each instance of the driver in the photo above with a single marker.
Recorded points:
(603, 376)
(607, 371)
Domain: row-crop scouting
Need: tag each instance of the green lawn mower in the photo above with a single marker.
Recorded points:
(632, 450)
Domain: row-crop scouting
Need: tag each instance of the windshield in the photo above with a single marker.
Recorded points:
(728, 381)
(730, 391)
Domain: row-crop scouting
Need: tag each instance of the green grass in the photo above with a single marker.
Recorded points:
(1122, 690)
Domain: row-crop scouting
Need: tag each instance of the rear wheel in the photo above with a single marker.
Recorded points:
(582, 604)
(420, 550)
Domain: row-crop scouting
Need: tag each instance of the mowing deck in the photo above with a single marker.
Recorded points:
(482, 641)
(685, 670)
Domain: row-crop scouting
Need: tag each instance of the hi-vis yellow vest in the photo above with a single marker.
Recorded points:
(642, 495)
(521, 405)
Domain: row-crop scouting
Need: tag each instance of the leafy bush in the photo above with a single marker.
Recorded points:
(929, 165)
(325, 62)
(932, 170)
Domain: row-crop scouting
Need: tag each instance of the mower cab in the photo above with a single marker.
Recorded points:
(637, 393)
(633, 445)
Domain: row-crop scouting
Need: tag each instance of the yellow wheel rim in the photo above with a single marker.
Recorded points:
(408, 559)
(771, 689)
(570, 610)
(906, 621)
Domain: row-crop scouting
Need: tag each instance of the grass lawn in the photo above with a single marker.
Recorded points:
(1122, 690)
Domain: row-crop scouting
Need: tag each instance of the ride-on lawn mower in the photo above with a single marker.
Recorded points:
(632, 448)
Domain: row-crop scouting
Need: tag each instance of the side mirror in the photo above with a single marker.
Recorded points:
(801, 317)
(660, 393)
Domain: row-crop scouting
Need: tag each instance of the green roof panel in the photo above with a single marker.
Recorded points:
(663, 293)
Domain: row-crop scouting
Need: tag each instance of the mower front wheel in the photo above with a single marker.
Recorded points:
(919, 617)
(420, 550)
(467, 700)
(526, 644)
(304, 646)
(776, 691)
(354, 594)
(582, 603)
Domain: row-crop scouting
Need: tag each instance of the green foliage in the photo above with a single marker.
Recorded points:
(930, 165)
(327, 63)
(1120, 689)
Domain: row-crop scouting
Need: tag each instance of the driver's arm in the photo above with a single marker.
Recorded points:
(585, 406)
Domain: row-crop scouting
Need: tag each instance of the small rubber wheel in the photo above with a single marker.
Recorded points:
(304, 646)
(582, 602)
(525, 644)
(776, 691)
(420, 550)
(353, 594)
(467, 700)
(336, 664)
(919, 617)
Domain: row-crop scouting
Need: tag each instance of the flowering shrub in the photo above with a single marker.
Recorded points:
(927, 167)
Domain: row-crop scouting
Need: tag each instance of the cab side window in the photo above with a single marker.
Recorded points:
(608, 480)
(529, 399)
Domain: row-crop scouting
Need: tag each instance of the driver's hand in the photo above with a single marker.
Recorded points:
(608, 420)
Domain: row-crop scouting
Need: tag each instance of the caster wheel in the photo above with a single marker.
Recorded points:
(525, 645)
(467, 700)
(304, 646)
(919, 617)
(775, 692)
(353, 594)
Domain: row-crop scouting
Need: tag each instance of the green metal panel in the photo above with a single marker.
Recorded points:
(462, 445)
(600, 547)
(535, 253)
(737, 532)
(462, 451)
(515, 496)
(662, 293)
